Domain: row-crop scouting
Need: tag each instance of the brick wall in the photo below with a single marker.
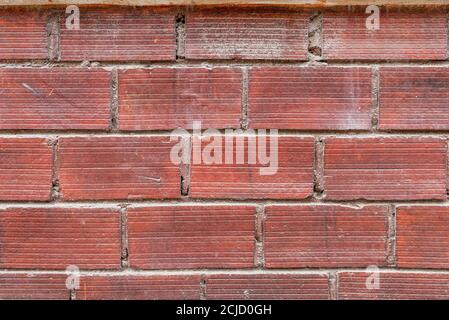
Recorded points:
(86, 178)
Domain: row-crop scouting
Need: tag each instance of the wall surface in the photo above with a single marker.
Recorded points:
(87, 180)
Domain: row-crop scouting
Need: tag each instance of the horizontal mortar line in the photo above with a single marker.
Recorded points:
(305, 271)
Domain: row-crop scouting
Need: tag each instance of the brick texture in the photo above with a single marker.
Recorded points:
(422, 237)
(268, 286)
(241, 35)
(117, 168)
(414, 98)
(21, 286)
(325, 236)
(57, 238)
(331, 98)
(168, 98)
(139, 288)
(385, 168)
(186, 237)
(25, 169)
(23, 35)
(394, 285)
(402, 35)
(293, 179)
(62, 98)
(120, 35)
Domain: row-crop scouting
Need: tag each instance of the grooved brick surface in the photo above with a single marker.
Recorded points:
(186, 237)
(292, 179)
(325, 236)
(56, 98)
(23, 35)
(268, 286)
(139, 288)
(422, 237)
(167, 98)
(117, 168)
(402, 35)
(57, 238)
(25, 169)
(330, 98)
(414, 98)
(385, 168)
(120, 35)
(393, 285)
(232, 34)
(22, 286)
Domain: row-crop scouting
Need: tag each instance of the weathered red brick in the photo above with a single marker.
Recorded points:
(422, 237)
(23, 35)
(232, 34)
(393, 286)
(20, 286)
(120, 35)
(167, 98)
(55, 98)
(25, 169)
(385, 168)
(414, 98)
(330, 98)
(402, 35)
(268, 286)
(170, 287)
(55, 238)
(183, 237)
(325, 236)
(292, 180)
(117, 168)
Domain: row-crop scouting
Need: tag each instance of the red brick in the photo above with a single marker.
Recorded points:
(23, 35)
(394, 286)
(293, 179)
(57, 98)
(120, 35)
(54, 238)
(325, 236)
(414, 98)
(385, 168)
(423, 237)
(402, 36)
(117, 168)
(167, 98)
(184, 237)
(170, 287)
(33, 287)
(26, 169)
(330, 98)
(232, 34)
(268, 286)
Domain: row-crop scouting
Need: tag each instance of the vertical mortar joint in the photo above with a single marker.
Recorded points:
(244, 122)
(391, 238)
(203, 287)
(333, 285)
(315, 36)
(180, 30)
(124, 236)
(259, 254)
(114, 118)
(318, 185)
(55, 187)
(53, 36)
(375, 81)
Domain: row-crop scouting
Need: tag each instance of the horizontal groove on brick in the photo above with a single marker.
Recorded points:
(25, 169)
(325, 236)
(422, 237)
(54, 238)
(54, 99)
(266, 286)
(108, 168)
(292, 180)
(168, 98)
(414, 98)
(411, 168)
(316, 98)
(186, 237)
(120, 35)
(402, 35)
(33, 287)
(139, 288)
(232, 34)
(391, 286)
